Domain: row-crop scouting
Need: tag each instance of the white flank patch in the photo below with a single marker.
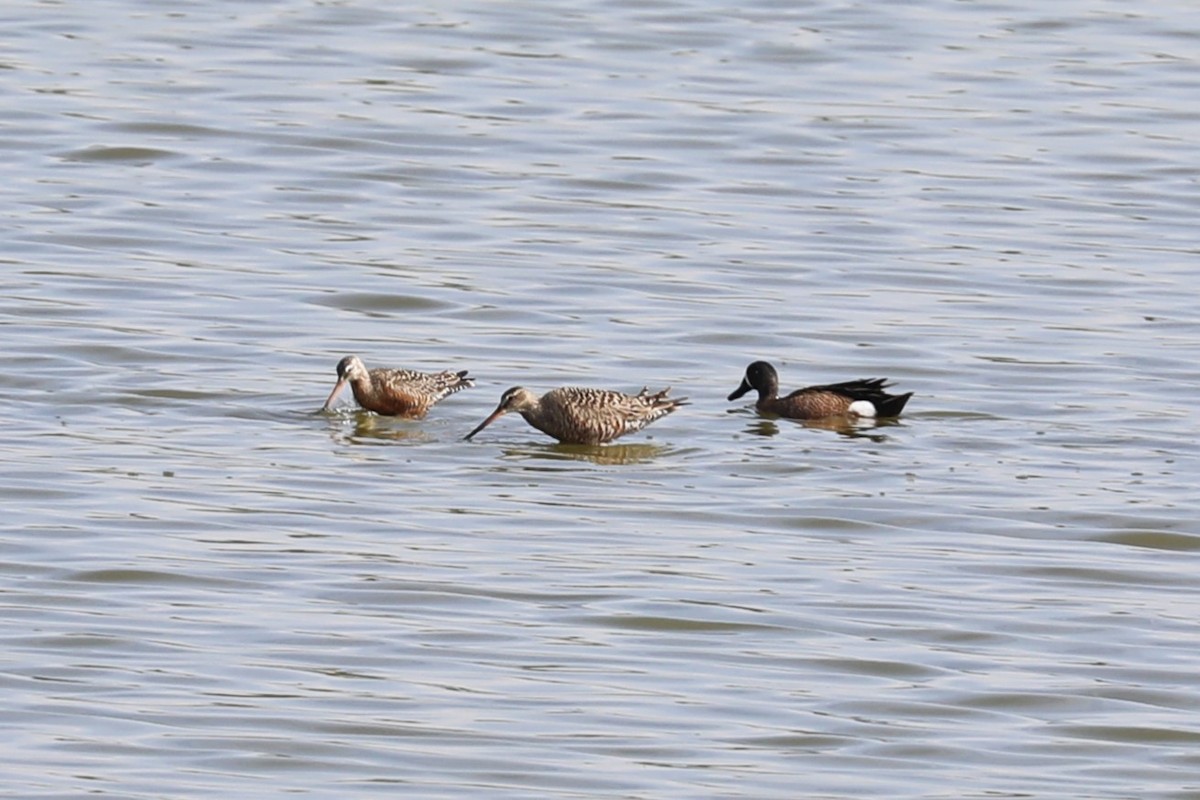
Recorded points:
(864, 408)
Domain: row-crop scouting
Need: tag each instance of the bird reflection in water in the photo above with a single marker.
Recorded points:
(602, 455)
(852, 428)
(368, 427)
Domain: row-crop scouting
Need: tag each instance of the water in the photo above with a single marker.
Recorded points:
(212, 589)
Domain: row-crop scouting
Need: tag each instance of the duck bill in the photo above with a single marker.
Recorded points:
(495, 415)
(741, 390)
(337, 389)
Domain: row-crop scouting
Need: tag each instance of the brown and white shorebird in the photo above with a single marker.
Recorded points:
(395, 392)
(862, 398)
(574, 415)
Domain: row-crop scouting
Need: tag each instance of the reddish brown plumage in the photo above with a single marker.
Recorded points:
(396, 392)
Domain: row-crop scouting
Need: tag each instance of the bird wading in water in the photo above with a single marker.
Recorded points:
(395, 392)
(575, 415)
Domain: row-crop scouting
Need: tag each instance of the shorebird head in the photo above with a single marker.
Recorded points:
(761, 377)
(348, 369)
(516, 399)
(351, 367)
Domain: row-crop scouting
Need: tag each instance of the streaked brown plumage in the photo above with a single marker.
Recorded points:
(396, 392)
(862, 398)
(574, 415)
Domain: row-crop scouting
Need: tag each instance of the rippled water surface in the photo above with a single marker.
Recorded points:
(212, 589)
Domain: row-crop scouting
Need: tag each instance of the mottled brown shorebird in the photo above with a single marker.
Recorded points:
(863, 398)
(395, 392)
(584, 416)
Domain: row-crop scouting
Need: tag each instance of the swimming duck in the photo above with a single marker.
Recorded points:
(861, 398)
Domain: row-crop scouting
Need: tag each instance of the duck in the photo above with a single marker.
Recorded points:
(861, 398)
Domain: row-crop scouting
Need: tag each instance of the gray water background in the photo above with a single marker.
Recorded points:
(210, 589)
